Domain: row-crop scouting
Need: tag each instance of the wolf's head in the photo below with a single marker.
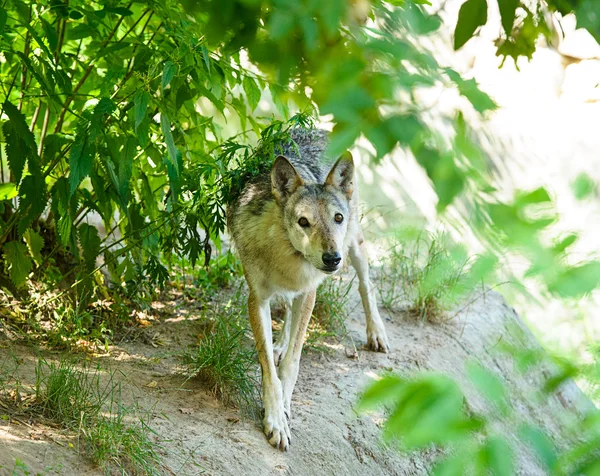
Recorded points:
(316, 215)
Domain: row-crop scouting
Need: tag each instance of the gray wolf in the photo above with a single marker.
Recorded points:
(292, 229)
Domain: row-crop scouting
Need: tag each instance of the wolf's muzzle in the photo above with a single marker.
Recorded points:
(331, 260)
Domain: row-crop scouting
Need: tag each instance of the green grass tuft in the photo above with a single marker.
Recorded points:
(329, 315)
(77, 399)
(425, 274)
(225, 361)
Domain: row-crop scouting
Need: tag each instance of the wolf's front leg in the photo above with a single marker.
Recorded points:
(281, 345)
(376, 336)
(275, 423)
(288, 368)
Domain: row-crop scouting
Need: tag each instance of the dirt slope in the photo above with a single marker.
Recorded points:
(197, 435)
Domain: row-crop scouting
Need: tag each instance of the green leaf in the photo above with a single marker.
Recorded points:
(455, 465)
(90, 244)
(75, 15)
(252, 91)
(3, 17)
(577, 281)
(32, 203)
(20, 142)
(63, 207)
(342, 138)
(124, 12)
(507, 14)
(540, 443)
(496, 457)
(81, 159)
(383, 392)
(168, 73)
(16, 151)
(447, 178)
(429, 411)
(279, 99)
(489, 385)
(50, 34)
(173, 153)
(35, 243)
(470, 90)
(588, 16)
(536, 196)
(206, 57)
(583, 186)
(125, 164)
(104, 108)
(140, 105)
(7, 191)
(472, 15)
(18, 262)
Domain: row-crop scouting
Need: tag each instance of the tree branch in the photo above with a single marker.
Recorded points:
(85, 76)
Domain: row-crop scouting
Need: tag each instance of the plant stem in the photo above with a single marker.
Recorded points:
(24, 67)
(98, 268)
(35, 116)
(44, 129)
(85, 76)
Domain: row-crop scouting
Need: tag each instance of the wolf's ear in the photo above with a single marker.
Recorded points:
(284, 178)
(342, 174)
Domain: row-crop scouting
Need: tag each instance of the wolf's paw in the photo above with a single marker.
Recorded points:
(377, 340)
(277, 429)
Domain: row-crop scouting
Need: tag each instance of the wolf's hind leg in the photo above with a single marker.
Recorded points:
(288, 369)
(376, 336)
(281, 345)
(275, 423)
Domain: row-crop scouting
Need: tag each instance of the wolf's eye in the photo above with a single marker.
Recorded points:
(339, 218)
(303, 222)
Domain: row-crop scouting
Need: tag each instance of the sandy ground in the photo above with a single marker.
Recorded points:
(196, 434)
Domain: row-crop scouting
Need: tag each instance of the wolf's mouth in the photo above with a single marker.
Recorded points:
(330, 270)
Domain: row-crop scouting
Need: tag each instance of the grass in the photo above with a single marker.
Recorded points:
(425, 274)
(329, 314)
(224, 360)
(81, 399)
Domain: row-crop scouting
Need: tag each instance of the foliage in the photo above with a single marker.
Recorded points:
(117, 111)
(523, 23)
(87, 401)
(329, 313)
(428, 409)
(223, 360)
(77, 399)
(427, 274)
(120, 113)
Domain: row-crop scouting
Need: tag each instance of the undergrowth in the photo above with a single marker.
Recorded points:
(426, 274)
(224, 358)
(329, 314)
(86, 401)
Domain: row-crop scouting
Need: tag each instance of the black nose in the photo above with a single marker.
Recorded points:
(332, 259)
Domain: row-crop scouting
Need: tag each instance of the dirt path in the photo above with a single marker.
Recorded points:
(196, 434)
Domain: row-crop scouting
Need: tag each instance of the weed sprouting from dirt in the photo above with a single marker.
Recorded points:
(425, 274)
(224, 360)
(329, 315)
(76, 398)
(115, 441)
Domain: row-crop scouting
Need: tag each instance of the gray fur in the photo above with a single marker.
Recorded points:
(283, 258)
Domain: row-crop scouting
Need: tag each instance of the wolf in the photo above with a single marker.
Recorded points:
(292, 228)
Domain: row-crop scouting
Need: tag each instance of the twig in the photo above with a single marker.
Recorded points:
(102, 250)
(85, 76)
(35, 116)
